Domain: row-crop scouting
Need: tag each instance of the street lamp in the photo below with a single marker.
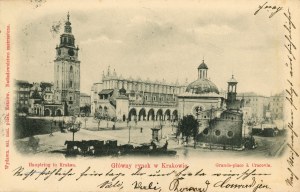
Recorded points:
(210, 126)
(161, 126)
(51, 123)
(129, 134)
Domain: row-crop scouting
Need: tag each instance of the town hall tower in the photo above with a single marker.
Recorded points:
(67, 72)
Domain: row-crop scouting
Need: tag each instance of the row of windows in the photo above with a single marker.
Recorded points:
(143, 87)
(217, 133)
(24, 89)
(66, 40)
(23, 102)
(24, 95)
(47, 96)
(161, 98)
(228, 117)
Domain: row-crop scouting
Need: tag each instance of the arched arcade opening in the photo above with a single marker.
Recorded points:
(142, 115)
(151, 115)
(132, 114)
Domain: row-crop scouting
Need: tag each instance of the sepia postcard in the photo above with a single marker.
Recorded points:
(159, 95)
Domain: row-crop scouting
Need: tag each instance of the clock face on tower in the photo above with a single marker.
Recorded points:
(71, 52)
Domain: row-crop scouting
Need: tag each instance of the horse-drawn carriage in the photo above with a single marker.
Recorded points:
(110, 147)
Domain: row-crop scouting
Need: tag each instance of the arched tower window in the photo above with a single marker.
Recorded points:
(71, 69)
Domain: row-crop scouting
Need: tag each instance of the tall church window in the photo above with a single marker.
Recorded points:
(71, 83)
(71, 69)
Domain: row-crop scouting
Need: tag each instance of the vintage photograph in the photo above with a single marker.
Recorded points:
(156, 95)
(150, 81)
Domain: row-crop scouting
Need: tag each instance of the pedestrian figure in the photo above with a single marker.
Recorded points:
(141, 129)
(165, 147)
(154, 146)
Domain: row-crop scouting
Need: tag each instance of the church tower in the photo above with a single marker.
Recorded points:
(67, 72)
(231, 91)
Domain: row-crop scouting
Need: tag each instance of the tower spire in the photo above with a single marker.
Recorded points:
(68, 16)
(68, 28)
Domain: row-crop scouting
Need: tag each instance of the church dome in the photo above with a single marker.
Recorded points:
(201, 86)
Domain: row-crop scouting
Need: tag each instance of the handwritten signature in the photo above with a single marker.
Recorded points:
(268, 8)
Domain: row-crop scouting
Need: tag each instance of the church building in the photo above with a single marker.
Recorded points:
(220, 118)
(201, 99)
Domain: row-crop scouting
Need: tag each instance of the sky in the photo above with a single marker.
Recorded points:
(161, 40)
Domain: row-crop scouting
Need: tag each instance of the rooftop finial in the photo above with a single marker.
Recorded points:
(108, 70)
(68, 16)
(203, 60)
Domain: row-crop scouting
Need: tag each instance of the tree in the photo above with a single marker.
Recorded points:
(98, 116)
(189, 126)
(73, 125)
(86, 110)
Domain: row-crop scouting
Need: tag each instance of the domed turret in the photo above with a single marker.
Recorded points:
(202, 70)
(202, 84)
(232, 80)
(202, 65)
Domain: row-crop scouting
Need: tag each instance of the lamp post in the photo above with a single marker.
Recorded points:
(161, 126)
(129, 134)
(51, 123)
(135, 120)
(210, 126)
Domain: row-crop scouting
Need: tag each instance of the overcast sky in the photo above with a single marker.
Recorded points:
(158, 41)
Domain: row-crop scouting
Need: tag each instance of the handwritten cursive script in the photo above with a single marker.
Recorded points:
(291, 98)
(150, 186)
(45, 173)
(175, 186)
(147, 180)
(268, 8)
